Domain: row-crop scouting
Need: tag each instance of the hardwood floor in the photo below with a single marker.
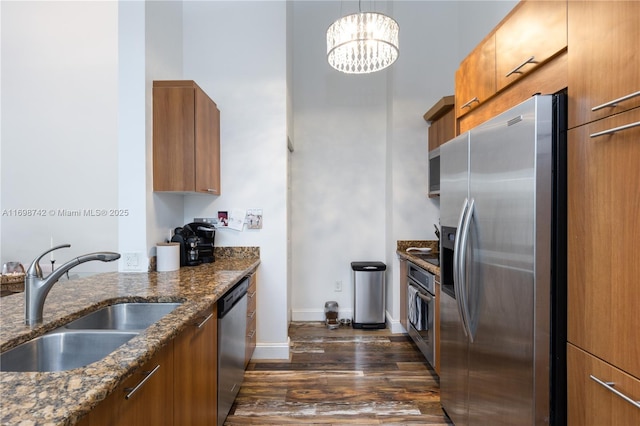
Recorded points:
(342, 376)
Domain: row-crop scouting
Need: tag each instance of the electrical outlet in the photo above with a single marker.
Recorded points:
(131, 261)
(338, 286)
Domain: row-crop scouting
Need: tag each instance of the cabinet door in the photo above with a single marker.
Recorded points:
(476, 77)
(592, 404)
(251, 318)
(603, 58)
(603, 237)
(144, 398)
(442, 130)
(173, 139)
(195, 372)
(207, 144)
(533, 33)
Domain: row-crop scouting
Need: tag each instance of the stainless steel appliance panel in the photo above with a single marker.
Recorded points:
(454, 346)
(232, 330)
(454, 179)
(500, 283)
(495, 330)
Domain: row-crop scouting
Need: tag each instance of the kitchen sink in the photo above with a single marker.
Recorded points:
(63, 350)
(124, 316)
(85, 340)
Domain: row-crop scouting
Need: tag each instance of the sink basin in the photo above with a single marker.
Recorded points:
(124, 316)
(63, 350)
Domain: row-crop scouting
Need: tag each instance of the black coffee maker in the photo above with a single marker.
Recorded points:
(196, 241)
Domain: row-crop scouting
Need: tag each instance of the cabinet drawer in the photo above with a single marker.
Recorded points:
(533, 33)
(603, 59)
(603, 229)
(591, 403)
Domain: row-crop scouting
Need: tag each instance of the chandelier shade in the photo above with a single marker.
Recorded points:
(362, 43)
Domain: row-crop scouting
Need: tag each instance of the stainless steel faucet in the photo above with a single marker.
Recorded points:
(36, 288)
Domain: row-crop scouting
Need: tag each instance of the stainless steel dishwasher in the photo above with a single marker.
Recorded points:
(232, 330)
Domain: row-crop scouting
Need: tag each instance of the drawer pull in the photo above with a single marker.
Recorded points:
(250, 335)
(251, 295)
(468, 104)
(148, 375)
(610, 385)
(615, 102)
(204, 321)
(531, 60)
(251, 315)
(214, 191)
(615, 129)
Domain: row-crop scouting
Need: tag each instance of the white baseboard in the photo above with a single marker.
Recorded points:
(306, 315)
(272, 350)
(395, 326)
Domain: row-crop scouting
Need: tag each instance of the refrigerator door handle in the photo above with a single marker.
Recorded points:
(462, 266)
(457, 289)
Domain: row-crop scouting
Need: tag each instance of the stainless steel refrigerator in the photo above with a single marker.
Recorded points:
(503, 260)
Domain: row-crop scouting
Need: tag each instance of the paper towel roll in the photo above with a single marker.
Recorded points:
(168, 257)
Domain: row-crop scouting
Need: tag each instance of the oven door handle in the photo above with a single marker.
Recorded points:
(425, 297)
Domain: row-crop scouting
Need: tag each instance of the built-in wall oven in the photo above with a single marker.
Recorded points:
(421, 308)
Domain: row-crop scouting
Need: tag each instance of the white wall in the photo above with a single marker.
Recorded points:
(164, 61)
(236, 51)
(59, 128)
(359, 169)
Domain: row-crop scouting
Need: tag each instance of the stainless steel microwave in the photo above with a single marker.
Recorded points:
(434, 172)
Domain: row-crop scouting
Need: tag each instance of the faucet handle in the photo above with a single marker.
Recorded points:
(34, 269)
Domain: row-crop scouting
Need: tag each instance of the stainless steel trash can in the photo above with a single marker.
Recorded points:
(369, 294)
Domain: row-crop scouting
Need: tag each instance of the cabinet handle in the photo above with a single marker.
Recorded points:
(204, 321)
(615, 102)
(251, 295)
(610, 385)
(468, 104)
(251, 315)
(148, 375)
(215, 191)
(250, 335)
(531, 60)
(615, 129)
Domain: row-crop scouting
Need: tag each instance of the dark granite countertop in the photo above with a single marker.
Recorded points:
(401, 250)
(61, 398)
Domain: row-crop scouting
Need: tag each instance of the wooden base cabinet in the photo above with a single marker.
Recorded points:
(178, 386)
(603, 236)
(195, 372)
(593, 404)
(145, 398)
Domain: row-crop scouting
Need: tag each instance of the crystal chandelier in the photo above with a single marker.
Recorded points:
(363, 42)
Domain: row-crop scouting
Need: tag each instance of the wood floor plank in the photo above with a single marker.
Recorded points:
(341, 377)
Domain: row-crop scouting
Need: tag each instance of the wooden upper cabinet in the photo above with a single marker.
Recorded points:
(603, 59)
(533, 33)
(603, 230)
(442, 122)
(476, 77)
(186, 139)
